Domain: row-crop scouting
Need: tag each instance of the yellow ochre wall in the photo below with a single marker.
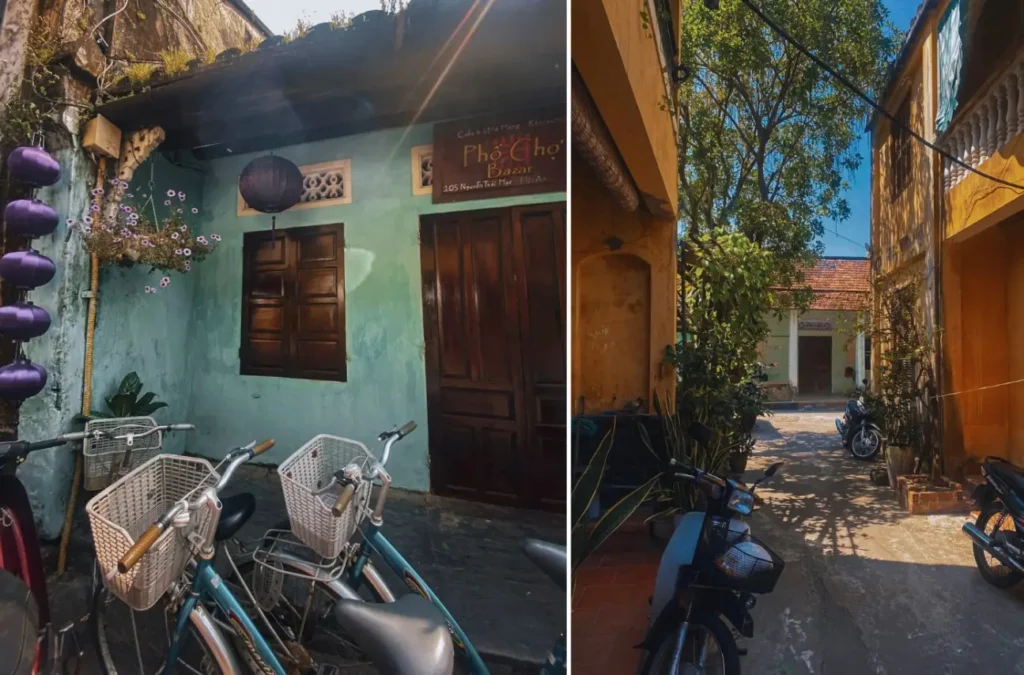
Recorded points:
(624, 263)
(624, 301)
(618, 60)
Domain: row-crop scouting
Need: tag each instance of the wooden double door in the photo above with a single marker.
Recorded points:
(494, 319)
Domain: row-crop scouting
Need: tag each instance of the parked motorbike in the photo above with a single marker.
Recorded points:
(711, 569)
(998, 544)
(860, 432)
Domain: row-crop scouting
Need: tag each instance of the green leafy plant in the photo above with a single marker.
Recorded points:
(127, 401)
(175, 61)
(586, 538)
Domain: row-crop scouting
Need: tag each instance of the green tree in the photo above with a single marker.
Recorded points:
(768, 139)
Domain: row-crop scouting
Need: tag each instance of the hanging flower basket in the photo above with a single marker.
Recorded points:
(132, 237)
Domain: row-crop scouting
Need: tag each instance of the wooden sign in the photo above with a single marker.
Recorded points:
(816, 324)
(499, 157)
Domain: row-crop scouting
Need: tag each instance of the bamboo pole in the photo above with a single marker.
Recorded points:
(90, 331)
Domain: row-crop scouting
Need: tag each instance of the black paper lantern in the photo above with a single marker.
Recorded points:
(270, 184)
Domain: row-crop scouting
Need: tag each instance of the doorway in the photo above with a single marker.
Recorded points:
(815, 364)
(494, 320)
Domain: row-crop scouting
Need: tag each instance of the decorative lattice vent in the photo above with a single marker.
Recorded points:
(423, 169)
(324, 184)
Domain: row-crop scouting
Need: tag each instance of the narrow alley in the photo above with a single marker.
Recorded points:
(867, 588)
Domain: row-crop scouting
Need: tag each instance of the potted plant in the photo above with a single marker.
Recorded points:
(904, 372)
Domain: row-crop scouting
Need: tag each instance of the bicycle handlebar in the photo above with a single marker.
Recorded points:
(343, 499)
(153, 532)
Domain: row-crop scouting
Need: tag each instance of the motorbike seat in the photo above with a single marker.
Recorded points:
(1010, 474)
(408, 636)
(549, 557)
(234, 512)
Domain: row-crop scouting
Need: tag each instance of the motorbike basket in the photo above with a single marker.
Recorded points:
(742, 564)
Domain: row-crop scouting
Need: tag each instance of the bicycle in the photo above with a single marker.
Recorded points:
(351, 571)
(407, 637)
(24, 598)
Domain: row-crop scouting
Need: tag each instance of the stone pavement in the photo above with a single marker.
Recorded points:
(867, 588)
(470, 554)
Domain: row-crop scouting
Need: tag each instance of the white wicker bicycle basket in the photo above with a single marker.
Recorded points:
(122, 512)
(102, 454)
(306, 474)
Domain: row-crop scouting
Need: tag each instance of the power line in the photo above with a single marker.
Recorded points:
(867, 99)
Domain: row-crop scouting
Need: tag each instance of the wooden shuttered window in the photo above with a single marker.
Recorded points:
(293, 303)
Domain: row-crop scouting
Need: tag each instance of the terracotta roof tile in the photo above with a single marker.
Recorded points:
(842, 284)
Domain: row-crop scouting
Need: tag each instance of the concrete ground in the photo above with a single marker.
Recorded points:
(469, 553)
(867, 588)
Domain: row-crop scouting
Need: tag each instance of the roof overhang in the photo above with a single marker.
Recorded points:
(452, 60)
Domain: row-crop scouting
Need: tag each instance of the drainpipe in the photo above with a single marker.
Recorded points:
(90, 330)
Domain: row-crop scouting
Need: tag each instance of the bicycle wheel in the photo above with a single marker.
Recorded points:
(131, 642)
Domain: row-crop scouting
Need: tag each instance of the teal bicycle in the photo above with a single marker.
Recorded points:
(166, 573)
(301, 558)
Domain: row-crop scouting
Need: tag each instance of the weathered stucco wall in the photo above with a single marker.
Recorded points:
(384, 324)
(146, 333)
(197, 27)
(624, 299)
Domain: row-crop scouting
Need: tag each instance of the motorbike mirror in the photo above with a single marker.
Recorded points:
(770, 471)
(700, 433)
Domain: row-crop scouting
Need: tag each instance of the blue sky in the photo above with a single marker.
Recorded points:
(282, 15)
(858, 226)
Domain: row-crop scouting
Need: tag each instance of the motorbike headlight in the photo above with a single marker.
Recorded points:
(741, 501)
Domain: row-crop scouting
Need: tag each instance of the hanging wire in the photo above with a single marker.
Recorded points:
(867, 99)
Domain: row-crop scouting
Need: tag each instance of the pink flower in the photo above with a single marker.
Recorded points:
(69, 222)
(183, 228)
(175, 235)
(165, 282)
(148, 289)
(167, 202)
(215, 237)
(94, 208)
(195, 210)
(129, 196)
(87, 220)
(96, 192)
(188, 265)
(186, 252)
(171, 193)
(125, 232)
(127, 209)
(145, 242)
(181, 196)
(177, 251)
(201, 239)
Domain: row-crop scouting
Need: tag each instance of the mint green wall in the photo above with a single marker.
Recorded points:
(776, 348)
(149, 334)
(384, 324)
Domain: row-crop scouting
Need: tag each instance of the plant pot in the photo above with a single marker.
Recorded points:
(899, 461)
(738, 462)
(663, 526)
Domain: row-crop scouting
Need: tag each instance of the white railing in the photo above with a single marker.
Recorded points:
(995, 118)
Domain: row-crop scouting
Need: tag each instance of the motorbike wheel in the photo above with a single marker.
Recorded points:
(866, 443)
(710, 632)
(19, 626)
(995, 518)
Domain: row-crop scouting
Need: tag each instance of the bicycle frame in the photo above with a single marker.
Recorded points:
(207, 584)
(375, 542)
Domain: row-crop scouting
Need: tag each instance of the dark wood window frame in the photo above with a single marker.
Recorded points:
(901, 152)
(293, 303)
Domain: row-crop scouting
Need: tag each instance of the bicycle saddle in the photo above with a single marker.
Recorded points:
(549, 557)
(235, 511)
(405, 637)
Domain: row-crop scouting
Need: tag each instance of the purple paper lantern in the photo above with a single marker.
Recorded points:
(30, 217)
(27, 269)
(270, 184)
(21, 379)
(33, 165)
(23, 321)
